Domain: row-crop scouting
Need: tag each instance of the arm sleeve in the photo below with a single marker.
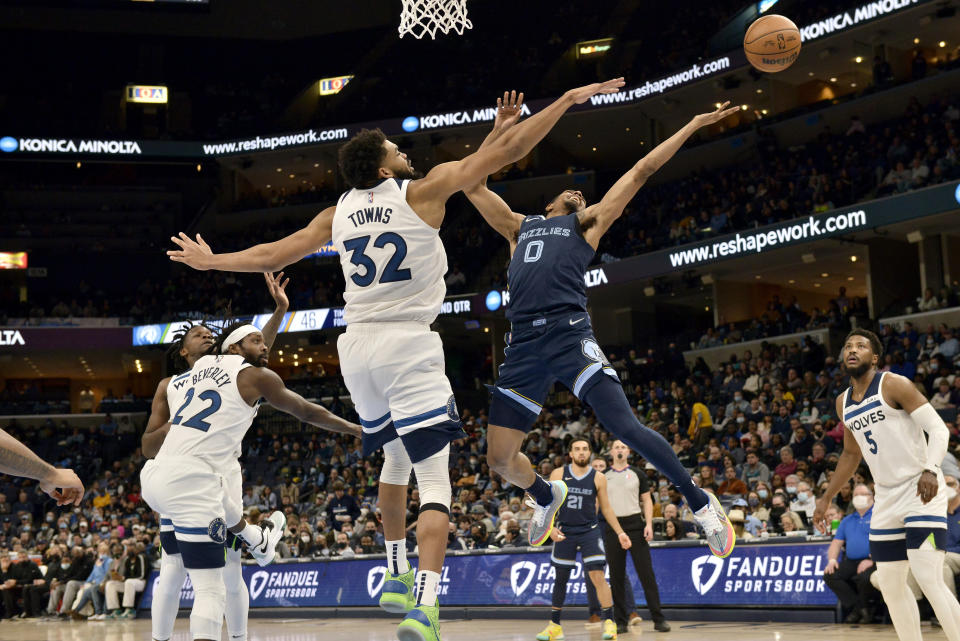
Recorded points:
(937, 433)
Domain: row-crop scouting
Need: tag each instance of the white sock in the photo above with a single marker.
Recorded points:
(427, 583)
(252, 535)
(397, 557)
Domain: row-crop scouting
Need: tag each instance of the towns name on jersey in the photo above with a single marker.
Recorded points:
(370, 215)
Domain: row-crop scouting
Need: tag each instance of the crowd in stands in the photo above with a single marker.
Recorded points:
(760, 430)
(837, 169)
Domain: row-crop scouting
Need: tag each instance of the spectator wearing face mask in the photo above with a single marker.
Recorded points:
(804, 503)
(849, 578)
(738, 403)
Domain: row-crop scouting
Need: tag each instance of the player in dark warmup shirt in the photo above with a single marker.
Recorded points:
(579, 529)
(551, 338)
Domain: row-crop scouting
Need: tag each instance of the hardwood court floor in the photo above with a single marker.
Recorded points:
(377, 629)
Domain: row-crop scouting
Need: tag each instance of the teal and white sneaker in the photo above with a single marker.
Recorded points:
(397, 596)
(273, 528)
(541, 523)
(422, 623)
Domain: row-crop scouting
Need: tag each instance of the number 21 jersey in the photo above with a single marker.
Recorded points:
(209, 416)
(393, 262)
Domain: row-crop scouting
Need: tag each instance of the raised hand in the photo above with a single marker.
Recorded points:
(278, 289)
(191, 252)
(582, 94)
(508, 110)
(717, 115)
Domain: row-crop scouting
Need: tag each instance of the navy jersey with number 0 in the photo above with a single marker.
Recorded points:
(579, 513)
(546, 272)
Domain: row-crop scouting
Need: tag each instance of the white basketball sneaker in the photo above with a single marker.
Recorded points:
(273, 528)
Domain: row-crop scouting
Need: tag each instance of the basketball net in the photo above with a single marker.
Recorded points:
(421, 17)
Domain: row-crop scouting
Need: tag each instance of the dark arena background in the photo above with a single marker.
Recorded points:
(827, 202)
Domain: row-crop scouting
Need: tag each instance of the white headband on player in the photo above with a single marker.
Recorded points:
(237, 335)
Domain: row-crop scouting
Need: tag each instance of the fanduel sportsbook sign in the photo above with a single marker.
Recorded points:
(754, 575)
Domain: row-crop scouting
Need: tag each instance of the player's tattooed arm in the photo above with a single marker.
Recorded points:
(428, 195)
(605, 212)
(259, 382)
(278, 290)
(159, 422)
(491, 206)
(18, 460)
(265, 257)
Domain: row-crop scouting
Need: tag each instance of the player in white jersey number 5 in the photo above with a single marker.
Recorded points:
(386, 229)
(885, 418)
(216, 402)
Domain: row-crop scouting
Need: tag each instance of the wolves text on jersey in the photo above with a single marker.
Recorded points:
(861, 422)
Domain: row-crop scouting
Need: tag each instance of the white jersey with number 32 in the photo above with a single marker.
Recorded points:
(208, 416)
(393, 262)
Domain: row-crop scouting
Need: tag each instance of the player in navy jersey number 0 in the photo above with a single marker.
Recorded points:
(551, 338)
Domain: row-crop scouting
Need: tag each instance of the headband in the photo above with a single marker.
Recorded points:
(237, 335)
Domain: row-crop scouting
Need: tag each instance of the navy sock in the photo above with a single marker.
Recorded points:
(608, 613)
(613, 411)
(541, 491)
(559, 590)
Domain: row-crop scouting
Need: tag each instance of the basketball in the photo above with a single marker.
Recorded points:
(772, 43)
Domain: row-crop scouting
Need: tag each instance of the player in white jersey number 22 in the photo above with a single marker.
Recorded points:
(885, 418)
(386, 231)
(216, 403)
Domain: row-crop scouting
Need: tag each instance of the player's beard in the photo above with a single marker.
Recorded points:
(582, 462)
(407, 173)
(858, 370)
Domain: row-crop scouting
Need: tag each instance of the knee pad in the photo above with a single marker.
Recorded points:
(396, 464)
(927, 567)
(433, 481)
(206, 618)
(892, 576)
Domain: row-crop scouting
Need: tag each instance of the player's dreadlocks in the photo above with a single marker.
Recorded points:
(179, 362)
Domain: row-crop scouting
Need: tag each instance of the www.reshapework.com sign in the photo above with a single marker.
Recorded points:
(858, 218)
(764, 575)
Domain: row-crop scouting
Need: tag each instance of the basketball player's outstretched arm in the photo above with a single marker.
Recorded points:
(900, 392)
(159, 422)
(259, 382)
(492, 207)
(847, 464)
(605, 212)
(265, 257)
(278, 291)
(607, 510)
(17, 459)
(428, 195)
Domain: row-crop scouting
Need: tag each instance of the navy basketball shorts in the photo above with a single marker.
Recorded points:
(538, 353)
(589, 544)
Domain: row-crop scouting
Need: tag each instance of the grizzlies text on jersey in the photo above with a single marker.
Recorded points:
(547, 269)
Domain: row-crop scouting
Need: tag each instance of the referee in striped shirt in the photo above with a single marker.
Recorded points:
(629, 494)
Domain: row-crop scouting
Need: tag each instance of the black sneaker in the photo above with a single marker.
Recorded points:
(661, 626)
